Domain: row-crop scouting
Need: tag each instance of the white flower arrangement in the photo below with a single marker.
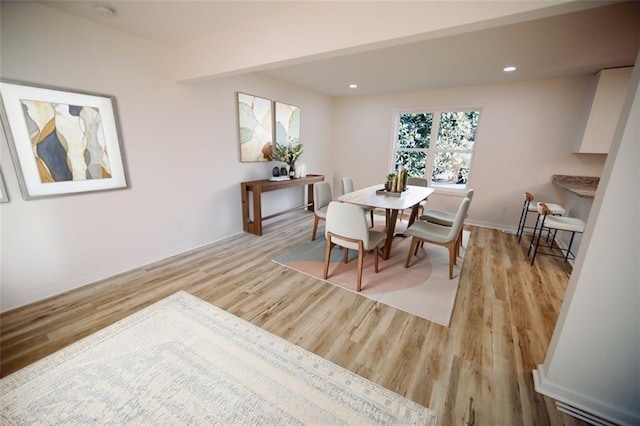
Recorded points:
(288, 153)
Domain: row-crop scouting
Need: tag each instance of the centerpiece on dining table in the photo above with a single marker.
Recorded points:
(396, 183)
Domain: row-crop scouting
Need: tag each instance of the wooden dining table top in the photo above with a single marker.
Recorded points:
(368, 197)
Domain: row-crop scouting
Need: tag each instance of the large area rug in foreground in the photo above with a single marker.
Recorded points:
(424, 289)
(184, 361)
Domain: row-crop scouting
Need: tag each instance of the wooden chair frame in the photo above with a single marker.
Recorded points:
(361, 252)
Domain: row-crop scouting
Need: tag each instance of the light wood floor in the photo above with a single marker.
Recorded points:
(477, 372)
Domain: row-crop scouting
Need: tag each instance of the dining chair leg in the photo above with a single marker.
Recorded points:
(454, 248)
(375, 259)
(327, 254)
(360, 265)
(414, 244)
(371, 212)
(315, 227)
(346, 255)
(452, 258)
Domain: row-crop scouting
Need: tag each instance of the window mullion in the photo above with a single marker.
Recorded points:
(431, 154)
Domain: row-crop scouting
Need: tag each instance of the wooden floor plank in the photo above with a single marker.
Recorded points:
(476, 372)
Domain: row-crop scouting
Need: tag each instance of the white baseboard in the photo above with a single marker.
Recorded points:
(581, 406)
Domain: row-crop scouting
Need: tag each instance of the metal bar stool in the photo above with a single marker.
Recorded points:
(528, 207)
(555, 223)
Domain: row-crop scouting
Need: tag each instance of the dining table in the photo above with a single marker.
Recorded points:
(392, 203)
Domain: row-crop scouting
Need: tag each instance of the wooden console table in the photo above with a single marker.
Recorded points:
(257, 187)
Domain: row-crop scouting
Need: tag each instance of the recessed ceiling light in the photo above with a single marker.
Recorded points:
(103, 11)
(510, 68)
(353, 86)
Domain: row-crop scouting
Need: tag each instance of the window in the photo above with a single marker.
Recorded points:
(447, 161)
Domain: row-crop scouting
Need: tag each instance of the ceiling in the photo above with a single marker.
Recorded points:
(575, 43)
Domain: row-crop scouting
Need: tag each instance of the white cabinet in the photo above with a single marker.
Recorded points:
(602, 110)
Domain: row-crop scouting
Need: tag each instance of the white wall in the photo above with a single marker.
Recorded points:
(181, 146)
(525, 135)
(593, 362)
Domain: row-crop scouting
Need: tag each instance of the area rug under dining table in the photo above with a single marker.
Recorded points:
(185, 361)
(424, 289)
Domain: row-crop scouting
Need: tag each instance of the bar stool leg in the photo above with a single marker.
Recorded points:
(553, 238)
(535, 251)
(535, 227)
(523, 219)
(566, 258)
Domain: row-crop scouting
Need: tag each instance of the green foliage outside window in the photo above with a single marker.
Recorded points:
(414, 136)
(454, 146)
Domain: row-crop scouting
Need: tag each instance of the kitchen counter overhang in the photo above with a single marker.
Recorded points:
(582, 186)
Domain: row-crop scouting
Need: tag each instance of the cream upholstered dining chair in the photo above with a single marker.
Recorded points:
(346, 226)
(347, 187)
(322, 196)
(445, 218)
(433, 233)
(442, 217)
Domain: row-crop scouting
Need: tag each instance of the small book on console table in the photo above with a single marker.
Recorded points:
(279, 178)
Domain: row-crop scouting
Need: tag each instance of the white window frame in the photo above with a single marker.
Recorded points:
(431, 152)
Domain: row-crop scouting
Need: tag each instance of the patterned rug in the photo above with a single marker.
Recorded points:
(424, 289)
(184, 361)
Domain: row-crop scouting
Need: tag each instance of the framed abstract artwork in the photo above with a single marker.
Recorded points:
(4, 197)
(62, 141)
(255, 121)
(287, 124)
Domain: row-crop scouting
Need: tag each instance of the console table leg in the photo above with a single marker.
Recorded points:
(257, 211)
(246, 220)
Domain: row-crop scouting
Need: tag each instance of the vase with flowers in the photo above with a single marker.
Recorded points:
(288, 154)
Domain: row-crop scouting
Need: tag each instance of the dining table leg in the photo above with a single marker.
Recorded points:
(414, 214)
(392, 217)
(391, 228)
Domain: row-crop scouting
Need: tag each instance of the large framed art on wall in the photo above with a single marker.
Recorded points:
(255, 126)
(287, 123)
(62, 141)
